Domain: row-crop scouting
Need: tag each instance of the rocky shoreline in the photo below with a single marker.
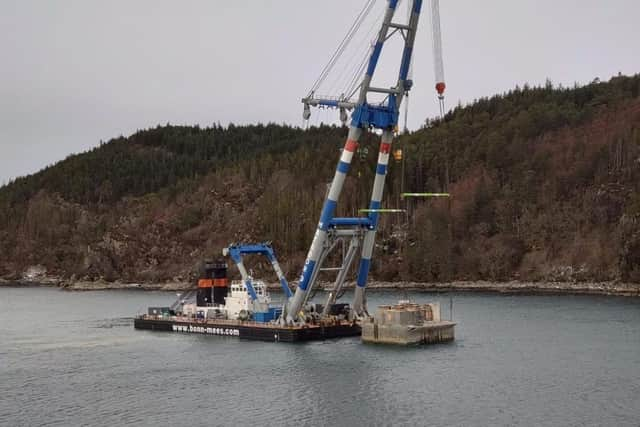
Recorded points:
(98, 285)
(517, 287)
(512, 287)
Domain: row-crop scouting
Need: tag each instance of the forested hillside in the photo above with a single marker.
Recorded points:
(544, 185)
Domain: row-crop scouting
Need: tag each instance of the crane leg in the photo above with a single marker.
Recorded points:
(359, 302)
(342, 274)
(320, 236)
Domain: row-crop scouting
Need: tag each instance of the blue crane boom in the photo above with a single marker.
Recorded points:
(384, 117)
(237, 252)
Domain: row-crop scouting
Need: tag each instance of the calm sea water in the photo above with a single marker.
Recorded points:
(70, 358)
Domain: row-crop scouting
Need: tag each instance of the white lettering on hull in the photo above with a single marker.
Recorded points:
(206, 330)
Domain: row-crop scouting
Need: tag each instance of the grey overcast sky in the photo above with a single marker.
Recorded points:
(74, 72)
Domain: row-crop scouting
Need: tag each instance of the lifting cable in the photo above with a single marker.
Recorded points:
(352, 73)
(353, 85)
(342, 46)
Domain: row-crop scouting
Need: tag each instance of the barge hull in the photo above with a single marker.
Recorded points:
(242, 330)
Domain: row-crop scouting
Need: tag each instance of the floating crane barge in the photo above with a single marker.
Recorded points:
(242, 309)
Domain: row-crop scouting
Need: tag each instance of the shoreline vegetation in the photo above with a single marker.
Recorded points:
(611, 288)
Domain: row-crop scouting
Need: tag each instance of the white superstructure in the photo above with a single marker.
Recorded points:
(238, 302)
(239, 298)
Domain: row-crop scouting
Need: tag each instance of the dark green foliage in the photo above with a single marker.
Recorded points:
(540, 178)
(153, 159)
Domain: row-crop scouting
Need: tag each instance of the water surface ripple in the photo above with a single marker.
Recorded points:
(69, 358)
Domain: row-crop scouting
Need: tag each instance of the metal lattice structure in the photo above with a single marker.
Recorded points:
(360, 232)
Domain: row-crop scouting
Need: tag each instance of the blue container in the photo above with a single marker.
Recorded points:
(275, 312)
(262, 317)
(268, 316)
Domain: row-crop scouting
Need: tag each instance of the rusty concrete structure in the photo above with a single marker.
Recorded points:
(408, 323)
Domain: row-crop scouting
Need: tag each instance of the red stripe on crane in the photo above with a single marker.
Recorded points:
(351, 145)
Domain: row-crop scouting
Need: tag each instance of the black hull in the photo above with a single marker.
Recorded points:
(250, 332)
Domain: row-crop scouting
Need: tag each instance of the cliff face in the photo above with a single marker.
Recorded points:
(544, 185)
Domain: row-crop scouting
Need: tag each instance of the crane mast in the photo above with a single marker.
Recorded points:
(359, 231)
